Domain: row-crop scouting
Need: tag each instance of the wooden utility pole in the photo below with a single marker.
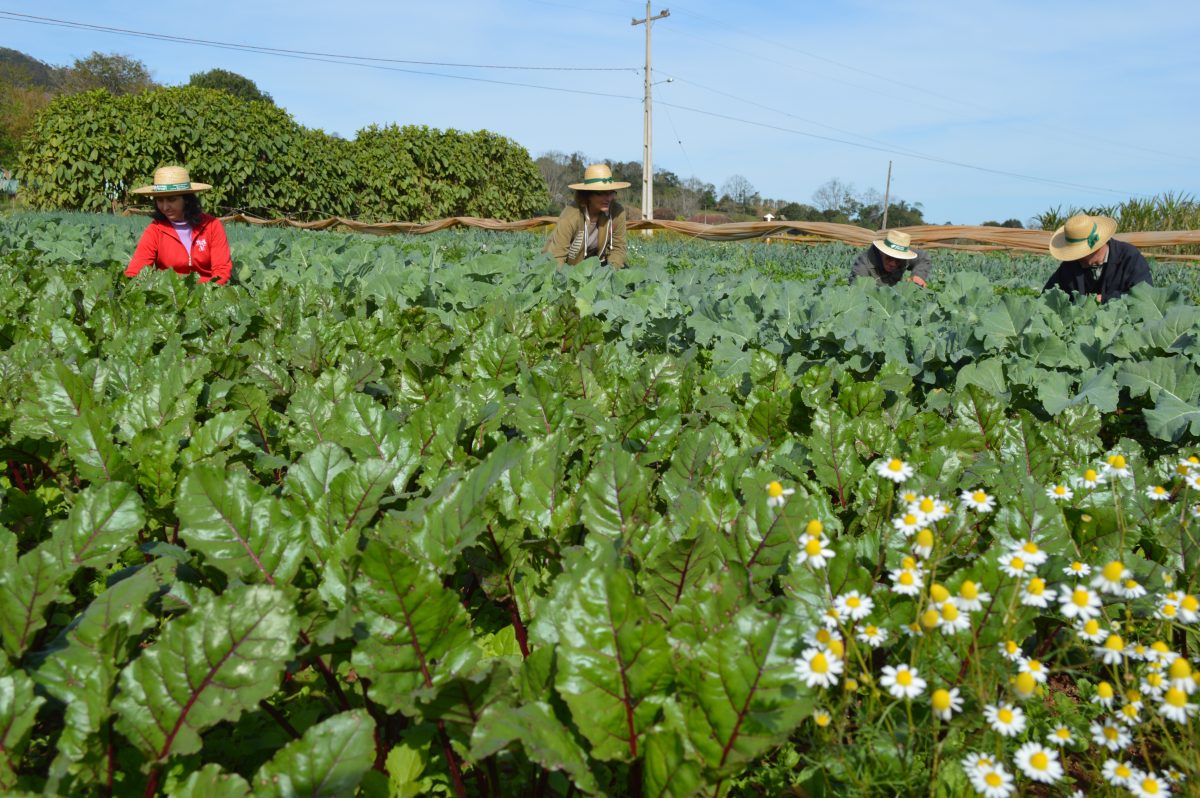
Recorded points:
(887, 193)
(648, 121)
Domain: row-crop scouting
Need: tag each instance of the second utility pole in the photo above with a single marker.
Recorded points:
(648, 122)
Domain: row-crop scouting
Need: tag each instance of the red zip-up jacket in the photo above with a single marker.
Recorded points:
(160, 247)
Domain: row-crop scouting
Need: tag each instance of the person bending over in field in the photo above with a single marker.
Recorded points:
(892, 259)
(1093, 262)
(181, 235)
(594, 227)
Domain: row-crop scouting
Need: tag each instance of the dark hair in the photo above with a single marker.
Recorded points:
(191, 211)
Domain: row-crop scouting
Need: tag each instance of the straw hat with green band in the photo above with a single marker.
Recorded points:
(1081, 236)
(598, 177)
(896, 244)
(171, 181)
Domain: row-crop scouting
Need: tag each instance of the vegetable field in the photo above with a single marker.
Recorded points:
(398, 517)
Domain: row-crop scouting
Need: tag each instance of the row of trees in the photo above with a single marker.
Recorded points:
(86, 151)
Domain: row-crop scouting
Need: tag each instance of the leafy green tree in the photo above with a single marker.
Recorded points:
(231, 82)
(117, 74)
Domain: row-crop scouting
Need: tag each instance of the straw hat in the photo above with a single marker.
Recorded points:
(170, 181)
(1081, 236)
(598, 177)
(896, 244)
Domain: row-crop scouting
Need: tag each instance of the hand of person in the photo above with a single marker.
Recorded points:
(919, 281)
(1099, 298)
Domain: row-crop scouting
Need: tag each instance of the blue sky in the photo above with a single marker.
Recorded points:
(1099, 98)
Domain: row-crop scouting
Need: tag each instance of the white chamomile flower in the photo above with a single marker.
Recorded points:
(894, 469)
(946, 703)
(1130, 714)
(1149, 785)
(1091, 479)
(1111, 577)
(902, 682)
(1059, 492)
(1117, 466)
(970, 598)
(1108, 733)
(953, 620)
(1091, 630)
(978, 500)
(818, 667)
(1005, 719)
(1131, 589)
(1181, 675)
(974, 763)
(1036, 593)
(1192, 480)
(872, 635)
(1105, 695)
(1079, 603)
(907, 523)
(1039, 762)
(1185, 466)
(993, 782)
(1077, 569)
(1189, 608)
(814, 552)
(1158, 493)
(1111, 651)
(1013, 564)
(1034, 668)
(1011, 651)
(1061, 735)
(907, 581)
(1117, 773)
(854, 605)
(777, 494)
(923, 542)
(1031, 551)
(930, 508)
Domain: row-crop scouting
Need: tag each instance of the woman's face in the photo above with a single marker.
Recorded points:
(598, 202)
(170, 207)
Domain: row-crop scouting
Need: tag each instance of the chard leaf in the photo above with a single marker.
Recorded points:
(25, 593)
(238, 526)
(616, 495)
(18, 709)
(209, 665)
(102, 524)
(745, 693)
(544, 738)
(209, 781)
(420, 633)
(329, 760)
(90, 443)
(614, 662)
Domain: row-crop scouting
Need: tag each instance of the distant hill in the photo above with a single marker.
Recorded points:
(23, 70)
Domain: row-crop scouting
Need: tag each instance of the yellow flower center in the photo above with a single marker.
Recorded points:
(1033, 666)
(1039, 761)
(774, 490)
(1123, 771)
(1080, 598)
(1180, 669)
(1130, 584)
(1030, 547)
(979, 496)
(1114, 571)
(1005, 715)
(823, 719)
(1025, 684)
(1111, 733)
(854, 601)
(895, 465)
(904, 677)
(909, 563)
(993, 779)
(1117, 461)
(1176, 698)
(1150, 786)
(1190, 603)
(871, 631)
(925, 538)
(1159, 490)
(1090, 475)
(823, 636)
(927, 505)
(938, 592)
(941, 700)
(929, 618)
(1017, 564)
(1077, 566)
(1060, 490)
(812, 547)
(1104, 690)
(1062, 733)
(949, 612)
(910, 519)
(1011, 647)
(969, 590)
(814, 528)
(1037, 586)
(836, 648)
(1091, 627)
(906, 578)
(820, 664)
(1114, 643)
(1169, 610)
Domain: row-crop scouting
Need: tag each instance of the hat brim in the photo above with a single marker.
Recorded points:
(193, 188)
(1063, 250)
(598, 186)
(894, 253)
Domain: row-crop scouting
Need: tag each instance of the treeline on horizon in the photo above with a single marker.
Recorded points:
(420, 173)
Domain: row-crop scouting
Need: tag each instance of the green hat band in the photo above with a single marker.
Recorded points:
(900, 247)
(171, 186)
(1091, 238)
(599, 180)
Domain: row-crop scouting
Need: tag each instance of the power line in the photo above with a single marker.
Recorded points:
(931, 158)
(65, 23)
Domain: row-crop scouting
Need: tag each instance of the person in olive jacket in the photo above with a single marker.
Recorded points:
(891, 259)
(1093, 262)
(594, 227)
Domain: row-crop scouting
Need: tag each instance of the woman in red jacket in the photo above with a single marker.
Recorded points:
(181, 236)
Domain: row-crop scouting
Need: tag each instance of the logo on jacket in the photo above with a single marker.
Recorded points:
(201, 245)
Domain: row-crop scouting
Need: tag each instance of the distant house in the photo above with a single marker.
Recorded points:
(768, 217)
(7, 184)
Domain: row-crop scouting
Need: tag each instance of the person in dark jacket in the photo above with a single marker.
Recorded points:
(892, 259)
(1093, 262)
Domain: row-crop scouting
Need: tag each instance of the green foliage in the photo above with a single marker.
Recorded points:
(230, 82)
(436, 507)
